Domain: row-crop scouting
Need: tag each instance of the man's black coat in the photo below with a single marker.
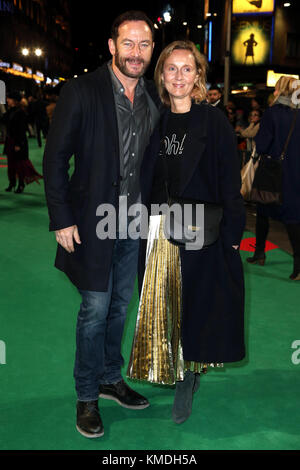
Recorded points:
(85, 125)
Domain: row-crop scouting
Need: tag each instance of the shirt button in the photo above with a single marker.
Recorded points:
(128, 194)
(133, 133)
(133, 154)
(130, 174)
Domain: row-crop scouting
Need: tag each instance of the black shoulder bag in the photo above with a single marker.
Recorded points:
(267, 183)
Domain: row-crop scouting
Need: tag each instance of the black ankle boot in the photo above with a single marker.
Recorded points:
(89, 422)
(10, 187)
(183, 399)
(295, 276)
(258, 258)
(19, 189)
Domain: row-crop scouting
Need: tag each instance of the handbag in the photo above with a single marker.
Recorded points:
(267, 183)
(190, 224)
(247, 175)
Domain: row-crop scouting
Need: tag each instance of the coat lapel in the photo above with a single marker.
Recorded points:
(107, 97)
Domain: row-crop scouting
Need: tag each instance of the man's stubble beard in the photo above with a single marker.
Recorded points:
(120, 63)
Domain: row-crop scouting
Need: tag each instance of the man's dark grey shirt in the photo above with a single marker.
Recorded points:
(134, 123)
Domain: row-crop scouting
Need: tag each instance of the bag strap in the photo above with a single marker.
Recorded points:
(165, 166)
(253, 153)
(290, 135)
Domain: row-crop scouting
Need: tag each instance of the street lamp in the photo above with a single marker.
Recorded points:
(38, 52)
(167, 16)
(227, 54)
(185, 23)
(25, 51)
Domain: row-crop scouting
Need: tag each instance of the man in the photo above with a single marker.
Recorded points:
(214, 96)
(105, 119)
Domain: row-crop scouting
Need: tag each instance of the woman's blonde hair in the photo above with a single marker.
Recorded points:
(199, 91)
(284, 87)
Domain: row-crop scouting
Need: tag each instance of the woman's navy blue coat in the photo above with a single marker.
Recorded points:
(270, 139)
(213, 282)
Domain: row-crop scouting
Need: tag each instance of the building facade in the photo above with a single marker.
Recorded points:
(260, 40)
(35, 43)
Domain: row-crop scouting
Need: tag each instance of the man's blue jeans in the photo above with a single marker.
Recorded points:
(101, 322)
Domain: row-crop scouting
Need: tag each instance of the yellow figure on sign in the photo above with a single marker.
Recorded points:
(250, 43)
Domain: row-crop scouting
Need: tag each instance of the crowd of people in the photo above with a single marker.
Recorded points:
(153, 144)
(244, 118)
(38, 110)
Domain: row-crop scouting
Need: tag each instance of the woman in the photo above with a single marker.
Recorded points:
(192, 301)
(250, 132)
(250, 43)
(16, 146)
(270, 140)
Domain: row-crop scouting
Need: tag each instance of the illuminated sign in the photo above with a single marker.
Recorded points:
(38, 77)
(6, 6)
(256, 7)
(251, 41)
(272, 77)
(17, 67)
(5, 65)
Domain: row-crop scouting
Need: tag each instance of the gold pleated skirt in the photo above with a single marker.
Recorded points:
(156, 354)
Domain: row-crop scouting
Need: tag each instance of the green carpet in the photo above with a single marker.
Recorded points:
(250, 405)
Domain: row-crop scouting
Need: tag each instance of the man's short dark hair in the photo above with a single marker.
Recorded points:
(215, 87)
(132, 15)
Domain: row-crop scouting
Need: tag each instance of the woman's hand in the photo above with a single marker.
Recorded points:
(236, 247)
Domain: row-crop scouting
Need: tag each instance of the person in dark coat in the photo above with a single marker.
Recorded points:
(176, 339)
(270, 140)
(19, 167)
(105, 119)
(41, 120)
(214, 97)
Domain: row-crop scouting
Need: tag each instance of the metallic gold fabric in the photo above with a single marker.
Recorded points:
(156, 354)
